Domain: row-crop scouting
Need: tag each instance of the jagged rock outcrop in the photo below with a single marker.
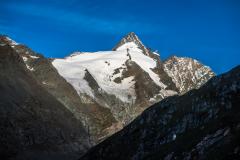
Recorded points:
(187, 73)
(133, 38)
(33, 123)
(201, 124)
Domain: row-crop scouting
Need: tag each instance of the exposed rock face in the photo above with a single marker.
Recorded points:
(187, 73)
(33, 123)
(132, 37)
(201, 124)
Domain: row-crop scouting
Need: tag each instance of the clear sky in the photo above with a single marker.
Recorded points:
(207, 30)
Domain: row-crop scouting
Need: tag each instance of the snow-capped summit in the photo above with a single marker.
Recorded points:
(126, 80)
(131, 42)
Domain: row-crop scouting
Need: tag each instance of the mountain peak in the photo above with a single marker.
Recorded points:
(131, 37)
(129, 41)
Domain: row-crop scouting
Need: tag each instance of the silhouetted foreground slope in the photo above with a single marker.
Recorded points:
(33, 124)
(202, 124)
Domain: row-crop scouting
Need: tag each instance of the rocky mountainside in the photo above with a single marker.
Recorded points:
(97, 120)
(201, 124)
(107, 90)
(187, 73)
(130, 78)
(33, 123)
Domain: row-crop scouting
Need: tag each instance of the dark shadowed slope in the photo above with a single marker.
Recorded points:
(201, 124)
(95, 118)
(33, 124)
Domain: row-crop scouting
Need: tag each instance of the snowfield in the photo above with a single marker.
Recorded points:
(102, 65)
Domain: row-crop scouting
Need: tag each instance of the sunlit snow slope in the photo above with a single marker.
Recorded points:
(102, 66)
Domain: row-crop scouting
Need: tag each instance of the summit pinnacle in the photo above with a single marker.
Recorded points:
(134, 40)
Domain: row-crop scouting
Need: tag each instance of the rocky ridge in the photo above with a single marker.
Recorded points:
(201, 124)
(31, 119)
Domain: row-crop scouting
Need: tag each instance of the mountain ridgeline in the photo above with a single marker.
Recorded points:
(34, 124)
(201, 124)
(59, 108)
(129, 79)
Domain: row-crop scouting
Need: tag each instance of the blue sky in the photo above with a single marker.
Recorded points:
(207, 30)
